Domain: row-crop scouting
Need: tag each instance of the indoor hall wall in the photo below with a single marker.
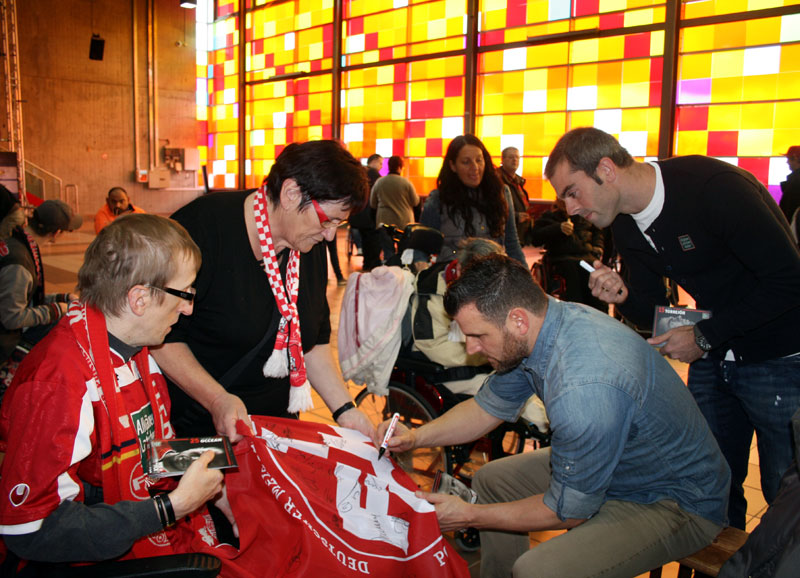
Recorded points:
(78, 114)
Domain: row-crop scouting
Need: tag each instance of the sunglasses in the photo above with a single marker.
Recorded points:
(325, 220)
(186, 295)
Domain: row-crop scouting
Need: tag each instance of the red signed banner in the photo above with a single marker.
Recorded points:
(314, 500)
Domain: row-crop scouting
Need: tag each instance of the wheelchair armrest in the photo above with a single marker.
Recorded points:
(192, 565)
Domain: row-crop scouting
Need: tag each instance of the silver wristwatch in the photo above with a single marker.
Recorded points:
(701, 340)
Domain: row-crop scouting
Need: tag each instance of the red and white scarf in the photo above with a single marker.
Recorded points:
(284, 360)
(115, 432)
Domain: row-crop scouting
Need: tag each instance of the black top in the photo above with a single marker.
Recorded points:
(234, 308)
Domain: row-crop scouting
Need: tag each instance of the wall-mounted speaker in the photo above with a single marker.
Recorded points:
(96, 47)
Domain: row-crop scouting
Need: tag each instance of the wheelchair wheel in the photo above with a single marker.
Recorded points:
(505, 440)
(467, 540)
(422, 463)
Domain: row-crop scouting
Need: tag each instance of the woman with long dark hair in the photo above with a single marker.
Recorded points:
(470, 200)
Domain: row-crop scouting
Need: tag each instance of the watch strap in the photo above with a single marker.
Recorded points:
(700, 339)
(345, 407)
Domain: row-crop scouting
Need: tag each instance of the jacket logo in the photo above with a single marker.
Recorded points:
(19, 494)
(3, 249)
(686, 243)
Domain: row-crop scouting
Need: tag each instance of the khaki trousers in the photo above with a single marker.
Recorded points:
(623, 539)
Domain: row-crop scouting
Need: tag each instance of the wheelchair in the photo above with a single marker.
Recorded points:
(420, 390)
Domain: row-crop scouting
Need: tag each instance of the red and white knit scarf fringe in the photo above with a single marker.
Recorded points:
(284, 360)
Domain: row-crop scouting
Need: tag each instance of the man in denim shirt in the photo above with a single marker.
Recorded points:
(633, 469)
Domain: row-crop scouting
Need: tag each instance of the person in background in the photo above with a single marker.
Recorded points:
(363, 222)
(117, 203)
(12, 215)
(568, 241)
(333, 256)
(470, 200)
(86, 401)
(394, 197)
(790, 200)
(507, 171)
(715, 230)
(259, 336)
(26, 312)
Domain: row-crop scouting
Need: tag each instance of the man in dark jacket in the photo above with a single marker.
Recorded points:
(790, 201)
(716, 231)
(507, 171)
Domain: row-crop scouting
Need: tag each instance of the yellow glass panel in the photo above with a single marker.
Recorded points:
(584, 50)
(726, 89)
(635, 71)
(657, 43)
(696, 39)
(582, 118)
(586, 23)
(761, 87)
(691, 142)
(763, 30)
(790, 58)
(695, 66)
(641, 17)
(754, 142)
(634, 94)
(782, 139)
(585, 75)
(757, 115)
(431, 166)
(789, 85)
(786, 116)
(727, 63)
(415, 147)
(612, 48)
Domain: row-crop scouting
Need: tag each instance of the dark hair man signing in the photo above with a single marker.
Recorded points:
(633, 469)
(716, 231)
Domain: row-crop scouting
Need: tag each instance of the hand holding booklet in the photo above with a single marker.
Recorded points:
(172, 457)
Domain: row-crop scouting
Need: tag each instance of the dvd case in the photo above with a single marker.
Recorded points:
(172, 457)
(446, 484)
(667, 318)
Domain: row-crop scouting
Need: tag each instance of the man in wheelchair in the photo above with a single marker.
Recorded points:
(88, 398)
(632, 469)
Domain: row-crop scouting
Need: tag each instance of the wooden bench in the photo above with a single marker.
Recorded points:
(710, 559)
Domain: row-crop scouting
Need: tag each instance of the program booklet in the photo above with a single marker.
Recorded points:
(446, 484)
(173, 457)
(667, 318)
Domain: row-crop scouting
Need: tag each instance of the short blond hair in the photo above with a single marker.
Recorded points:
(135, 249)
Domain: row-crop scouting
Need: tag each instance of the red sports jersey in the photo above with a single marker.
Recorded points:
(327, 506)
(54, 392)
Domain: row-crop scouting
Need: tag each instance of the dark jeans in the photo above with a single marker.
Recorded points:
(333, 254)
(737, 400)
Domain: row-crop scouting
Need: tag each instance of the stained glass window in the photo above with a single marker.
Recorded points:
(738, 94)
(401, 79)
